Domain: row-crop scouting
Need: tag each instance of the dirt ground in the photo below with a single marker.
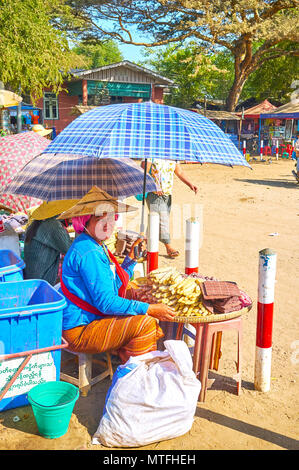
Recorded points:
(244, 211)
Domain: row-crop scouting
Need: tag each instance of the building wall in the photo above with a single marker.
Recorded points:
(157, 95)
(67, 102)
(65, 105)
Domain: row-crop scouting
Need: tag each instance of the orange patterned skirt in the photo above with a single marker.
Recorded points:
(128, 335)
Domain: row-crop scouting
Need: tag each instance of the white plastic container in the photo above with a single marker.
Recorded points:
(9, 240)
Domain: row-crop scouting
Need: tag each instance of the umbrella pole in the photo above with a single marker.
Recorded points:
(143, 197)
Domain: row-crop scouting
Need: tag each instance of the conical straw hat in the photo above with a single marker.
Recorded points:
(52, 208)
(95, 202)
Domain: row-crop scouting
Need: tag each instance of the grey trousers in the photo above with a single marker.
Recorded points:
(162, 205)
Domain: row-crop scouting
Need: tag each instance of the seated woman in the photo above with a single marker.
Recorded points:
(45, 240)
(98, 316)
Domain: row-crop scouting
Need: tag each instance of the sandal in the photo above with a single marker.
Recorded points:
(173, 253)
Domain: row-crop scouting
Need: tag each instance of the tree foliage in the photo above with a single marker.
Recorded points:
(211, 75)
(197, 75)
(234, 25)
(92, 56)
(274, 80)
(33, 54)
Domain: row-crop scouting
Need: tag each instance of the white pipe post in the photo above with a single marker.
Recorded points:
(153, 241)
(277, 149)
(261, 149)
(192, 245)
(244, 148)
(263, 354)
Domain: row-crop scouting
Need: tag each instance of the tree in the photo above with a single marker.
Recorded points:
(274, 80)
(196, 75)
(33, 54)
(212, 75)
(92, 56)
(236, 26)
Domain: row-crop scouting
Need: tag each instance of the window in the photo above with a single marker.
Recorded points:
(50, 106)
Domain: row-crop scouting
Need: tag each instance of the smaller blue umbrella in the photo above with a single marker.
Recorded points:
(56, 177)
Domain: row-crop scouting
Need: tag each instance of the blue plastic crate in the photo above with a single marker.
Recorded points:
(11, 266)
(30, 318)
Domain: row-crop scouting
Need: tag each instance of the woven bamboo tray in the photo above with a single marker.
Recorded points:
(211, 318)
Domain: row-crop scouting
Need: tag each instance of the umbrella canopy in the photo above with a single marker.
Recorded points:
(55, 177)
(9, 98)
(147, 130)
(16, 151)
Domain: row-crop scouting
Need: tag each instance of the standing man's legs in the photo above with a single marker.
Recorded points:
(162, 205)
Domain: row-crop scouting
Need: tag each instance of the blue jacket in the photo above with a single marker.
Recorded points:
(87, 274)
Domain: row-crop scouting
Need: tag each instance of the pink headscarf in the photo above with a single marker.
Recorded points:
(80, 222)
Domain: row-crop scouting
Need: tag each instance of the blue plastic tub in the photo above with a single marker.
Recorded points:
(11, 266)
(30, 318)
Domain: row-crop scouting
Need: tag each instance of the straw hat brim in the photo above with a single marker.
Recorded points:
(45, 132)
(52, 208)
(42, 130)
(90, 202)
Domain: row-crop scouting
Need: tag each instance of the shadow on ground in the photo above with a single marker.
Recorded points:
(249, 429)
(278, 183)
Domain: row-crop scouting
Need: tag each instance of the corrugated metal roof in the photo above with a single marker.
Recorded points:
(128, 64)
(288, 110)
(291, 107)
(82, 109)
(221, 115)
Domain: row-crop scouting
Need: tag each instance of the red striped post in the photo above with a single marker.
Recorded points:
(244, 148)
(192, 245)
(153, 241)
(263, 354)
(277, 151)
(262, 149)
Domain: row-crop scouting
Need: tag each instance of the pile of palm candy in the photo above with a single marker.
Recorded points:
(191, 295)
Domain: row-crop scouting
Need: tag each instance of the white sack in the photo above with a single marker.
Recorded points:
(153, 397)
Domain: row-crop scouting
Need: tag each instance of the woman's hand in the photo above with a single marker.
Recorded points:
(161, 311)
(142, 242)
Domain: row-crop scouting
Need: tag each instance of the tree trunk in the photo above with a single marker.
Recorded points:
(243, 68)
(235, 92)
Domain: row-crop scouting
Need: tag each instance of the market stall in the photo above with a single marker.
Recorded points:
(228, 122)
(30, 115)
(251, 130)
(280, 127)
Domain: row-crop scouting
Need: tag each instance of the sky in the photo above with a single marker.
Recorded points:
(132, 53)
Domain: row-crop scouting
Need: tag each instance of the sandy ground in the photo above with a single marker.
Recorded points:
(241, 208)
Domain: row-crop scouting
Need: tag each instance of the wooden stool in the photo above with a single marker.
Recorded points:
(85, 380)
(207, 349)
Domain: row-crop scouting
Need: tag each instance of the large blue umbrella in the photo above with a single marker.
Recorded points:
(147, 130)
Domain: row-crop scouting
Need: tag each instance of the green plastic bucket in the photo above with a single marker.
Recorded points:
(52, 404)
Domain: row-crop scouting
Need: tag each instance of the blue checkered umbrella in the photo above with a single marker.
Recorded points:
(55, 177)
(147, 130)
